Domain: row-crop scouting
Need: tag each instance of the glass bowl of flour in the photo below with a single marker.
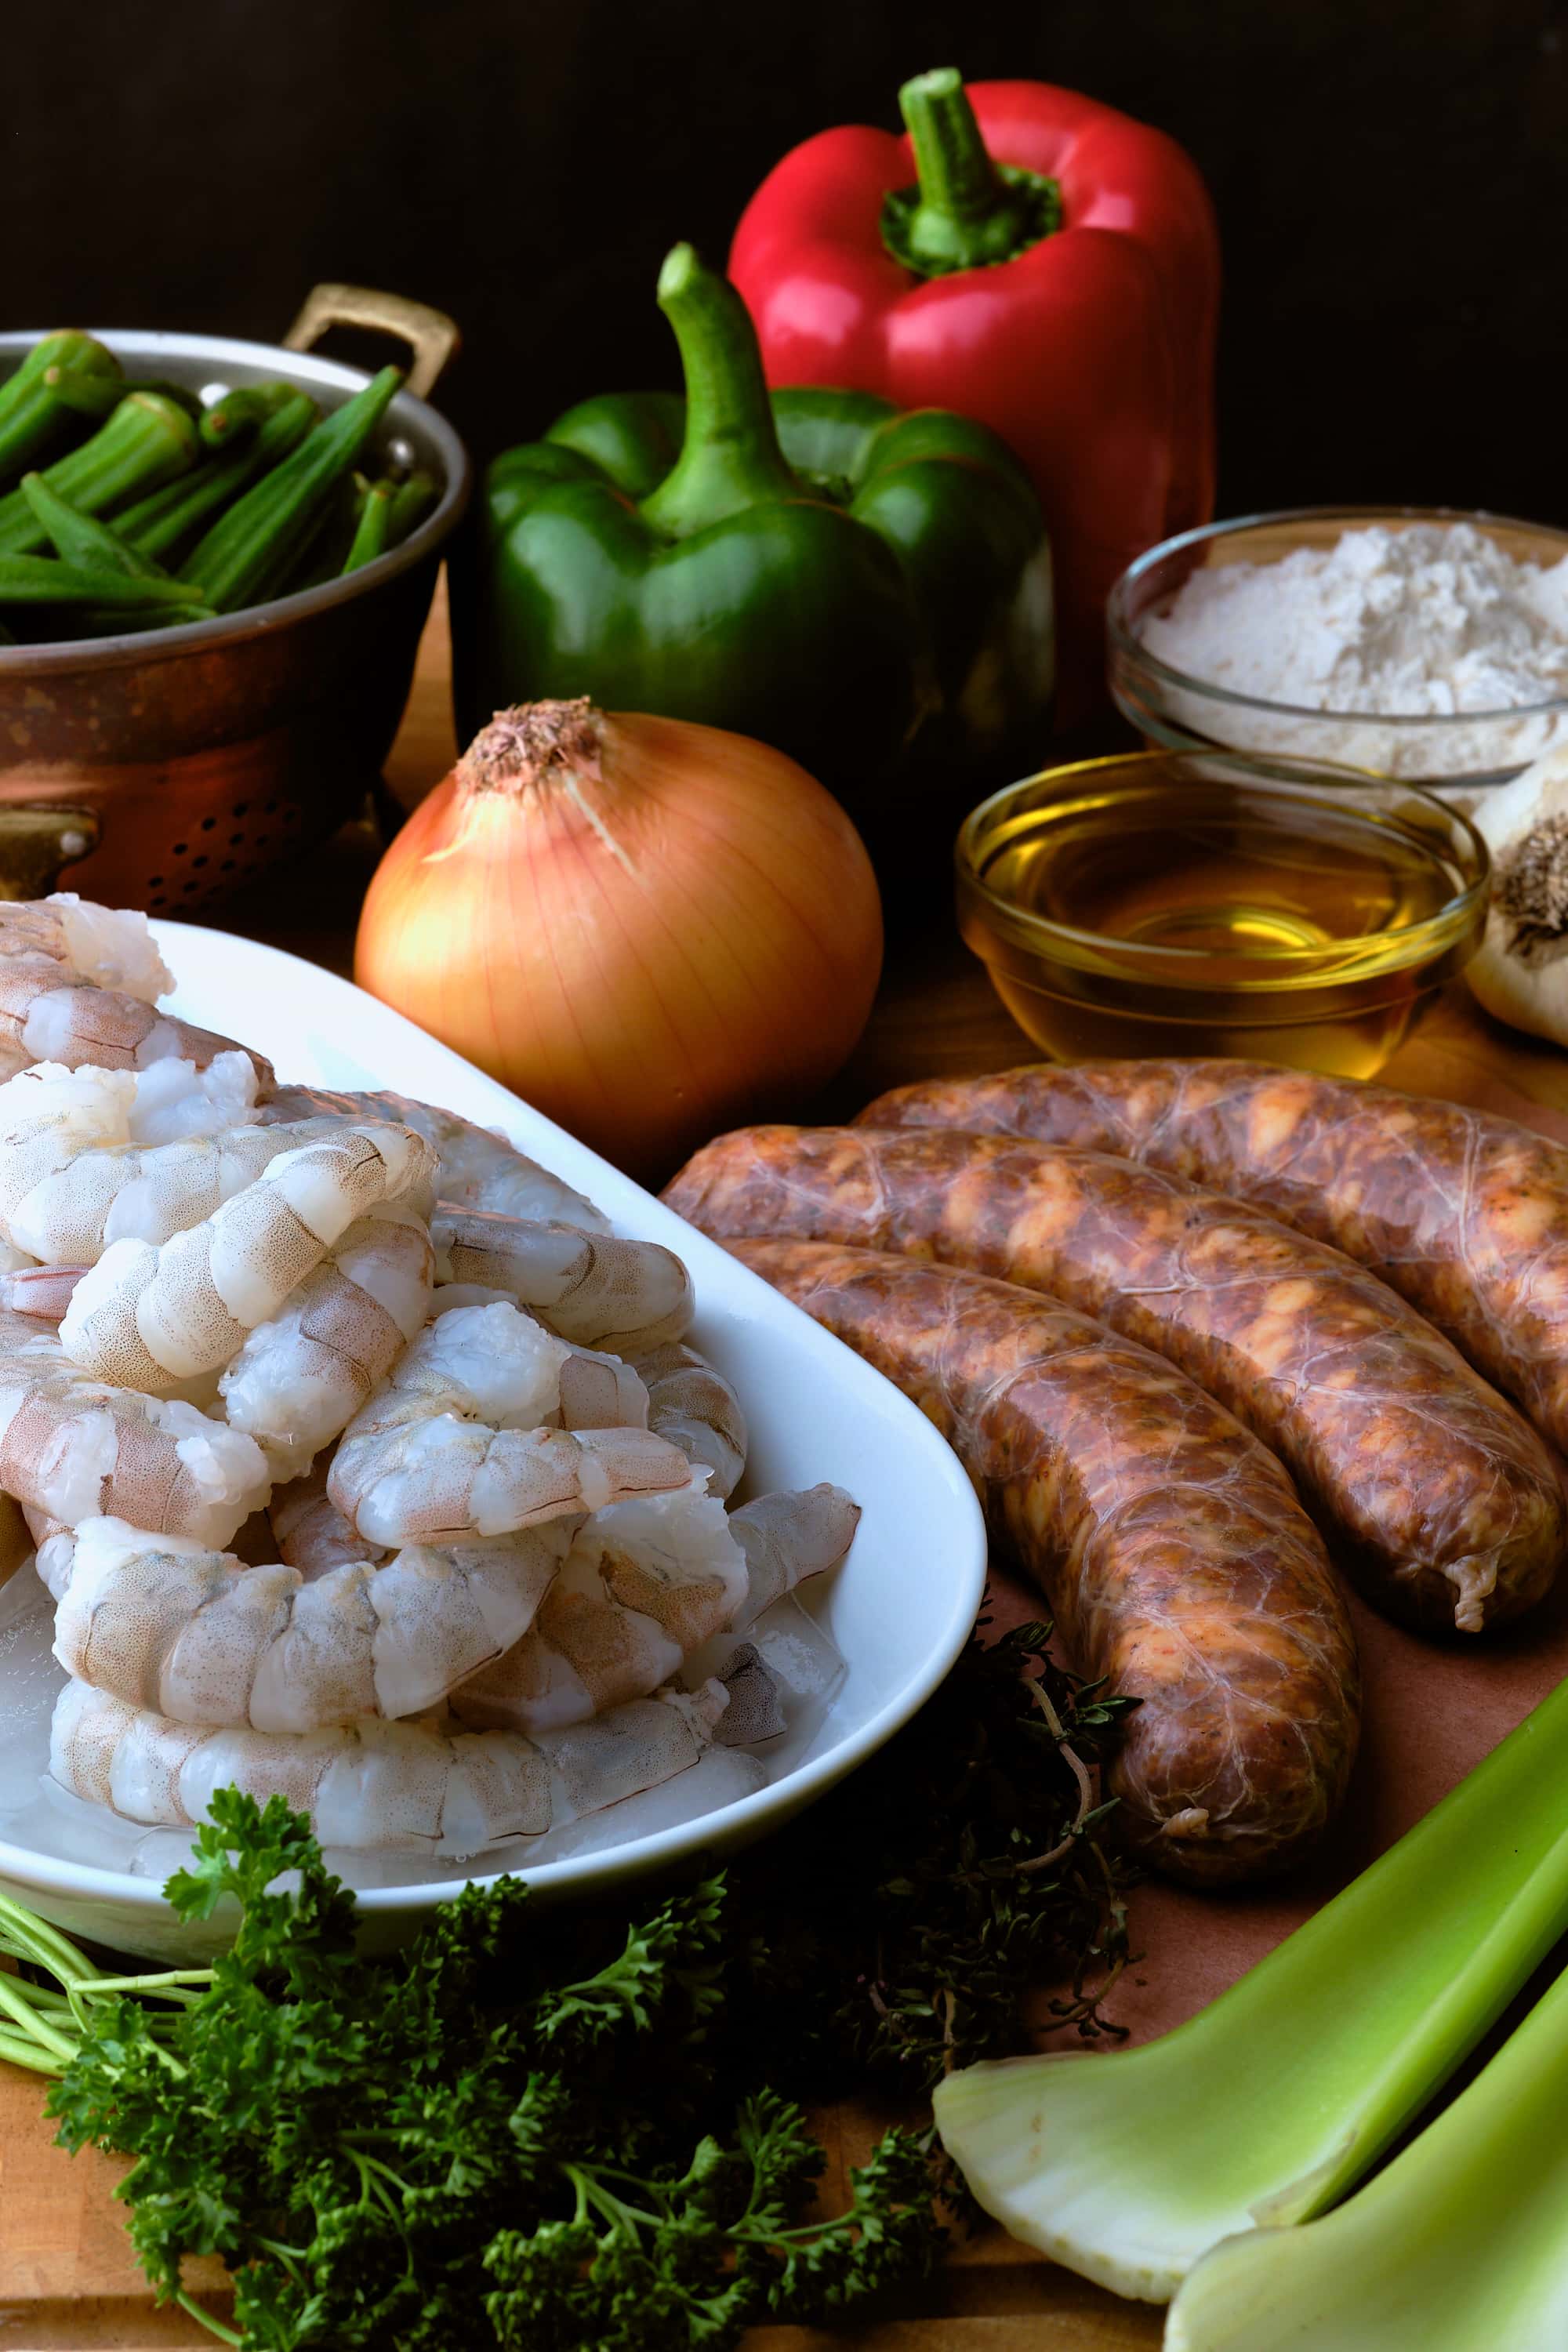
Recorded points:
(1419, 641)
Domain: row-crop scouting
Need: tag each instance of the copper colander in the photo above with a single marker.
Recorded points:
(207, 752)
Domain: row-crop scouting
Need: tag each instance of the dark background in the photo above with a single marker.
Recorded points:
(1391, 182)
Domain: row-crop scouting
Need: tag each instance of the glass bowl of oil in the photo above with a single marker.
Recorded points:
(1219, 903)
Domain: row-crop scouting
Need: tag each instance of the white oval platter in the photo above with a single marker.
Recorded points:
(898, 1609)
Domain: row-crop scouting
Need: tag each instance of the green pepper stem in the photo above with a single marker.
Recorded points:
(966, 211)
(730, 458)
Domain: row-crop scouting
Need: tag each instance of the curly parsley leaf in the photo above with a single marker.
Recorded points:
(676, 1955)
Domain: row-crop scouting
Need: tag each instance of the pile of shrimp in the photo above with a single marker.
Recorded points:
(364, 1463)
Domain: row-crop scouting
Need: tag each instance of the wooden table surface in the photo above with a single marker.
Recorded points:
(67, 2279)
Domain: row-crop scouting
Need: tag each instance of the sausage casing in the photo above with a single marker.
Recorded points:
(1464, 1214)
(1172, 1553)
(1436, 1494)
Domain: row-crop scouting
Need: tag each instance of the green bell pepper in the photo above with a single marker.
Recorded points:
(866, 589)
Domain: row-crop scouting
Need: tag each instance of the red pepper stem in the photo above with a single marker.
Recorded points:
(965, 211)
(952, 163)
(730, 458)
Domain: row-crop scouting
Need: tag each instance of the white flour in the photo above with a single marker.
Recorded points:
(1430, 621)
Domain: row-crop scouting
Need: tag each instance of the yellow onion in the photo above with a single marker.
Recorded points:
(649, 929)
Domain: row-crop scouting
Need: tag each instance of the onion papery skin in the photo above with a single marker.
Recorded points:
(649, 928)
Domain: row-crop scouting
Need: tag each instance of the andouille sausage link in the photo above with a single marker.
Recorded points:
(1435, 1493)
(1464, 1214)
(1172, 1553)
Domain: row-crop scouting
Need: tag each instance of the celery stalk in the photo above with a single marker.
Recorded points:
(1129, 2165)
(1462, 2243)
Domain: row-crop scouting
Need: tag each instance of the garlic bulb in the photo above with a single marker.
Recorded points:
(1520, 970)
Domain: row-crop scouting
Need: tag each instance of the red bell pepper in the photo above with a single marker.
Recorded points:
(1053, 269)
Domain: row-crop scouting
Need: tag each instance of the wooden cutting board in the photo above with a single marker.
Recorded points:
(67, 2280)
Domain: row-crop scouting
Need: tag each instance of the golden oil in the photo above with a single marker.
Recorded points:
(1180, 903)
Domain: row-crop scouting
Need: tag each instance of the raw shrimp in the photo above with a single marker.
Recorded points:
(194, 1634)
(42, 1293)
(13, 1263)
(74, 1447)
(476, 1170)
(645, 1585)
(644, 1582)
(789, 1536)
(309, 1531)
(175, 1099)
(381, 1784)
(88, 1157)
(602, 1292)
(301, 1376)
(151, 1315)
(368, 1784)
(80, 983)
(694, 1406)
(105, 947)
(457, 1442)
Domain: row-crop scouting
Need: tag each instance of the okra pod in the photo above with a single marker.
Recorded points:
(96, 396)
(158, 523)
(242, 412)
(147, 439)
(258, 541)
(81, 538)
(122, 621)
(40, 580)
(33, 413)
(415, 498)
(323, 554)
(49, 350)
(372, 531)
(180, 394)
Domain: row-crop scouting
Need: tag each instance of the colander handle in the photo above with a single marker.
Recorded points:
(430, 335)
(36, 840)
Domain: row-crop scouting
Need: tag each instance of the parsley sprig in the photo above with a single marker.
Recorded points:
(452, 2146)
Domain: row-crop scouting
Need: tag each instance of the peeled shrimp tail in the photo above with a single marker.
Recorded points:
(693, 1406)
(465, 1439)
(787, 1537)
(629, 1748)
(379, 1784)
(300, 1377)
(602, 1292)
(645, 1583)
(645, 1586)
(475, 1169)
(74, 1448)
(198, 1636)
(149, 1316)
